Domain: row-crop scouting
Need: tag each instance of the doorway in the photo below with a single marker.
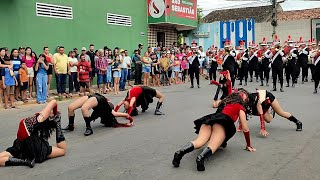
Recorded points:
(318, 32)
(161, 39)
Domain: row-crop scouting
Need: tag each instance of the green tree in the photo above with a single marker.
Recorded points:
(199, 15)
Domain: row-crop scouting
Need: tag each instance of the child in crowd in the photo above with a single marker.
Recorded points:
(109, 74)
(116, 71)
(176, 70)
(9, 82)
(184, 63)
(84, 69)
(23, 76)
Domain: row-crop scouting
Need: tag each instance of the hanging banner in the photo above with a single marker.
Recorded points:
(185, 9)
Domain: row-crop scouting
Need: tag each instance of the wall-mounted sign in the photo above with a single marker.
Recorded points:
(201, 34)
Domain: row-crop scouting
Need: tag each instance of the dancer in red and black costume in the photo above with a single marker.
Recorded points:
(225, 85)
(217, 128)
(141, 96)
(31, 145)
(259, 105)
(102, 107)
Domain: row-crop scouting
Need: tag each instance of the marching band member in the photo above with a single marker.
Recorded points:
(263, 56)
(229, 62)
(277, 60)
(303, 60)
(253, 61)
(316, 71)
(243, 64)
(291, 54)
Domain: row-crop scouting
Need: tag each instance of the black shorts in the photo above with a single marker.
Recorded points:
(217, 118)
(33, 147)
(84, 84)
(149, 91)
(24, 86)
(265, 106)
(50, 70)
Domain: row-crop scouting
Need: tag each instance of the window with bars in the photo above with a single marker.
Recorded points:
(117, 19)
(54, 11)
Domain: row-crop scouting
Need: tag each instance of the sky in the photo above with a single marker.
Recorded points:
(210, 5)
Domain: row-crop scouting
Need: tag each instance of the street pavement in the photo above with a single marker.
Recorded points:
(145, 151)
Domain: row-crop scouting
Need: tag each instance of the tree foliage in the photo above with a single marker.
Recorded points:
(199, 15)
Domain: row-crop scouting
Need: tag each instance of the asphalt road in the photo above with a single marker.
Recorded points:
(145, 151)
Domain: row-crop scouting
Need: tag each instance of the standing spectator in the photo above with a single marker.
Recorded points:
(201, 57)
(176, 69)
(129, 67)
(30, 62)
(138, 67)
(23, 76)
(2, 66)
(9, 81)
(91, 55)
(86, 57)
(21, 52)
(60, 64)
(75, 50)
(109, 71)
(171, 59)
(140, 47)
(164, 66)
(146, 68)
(125, 63)
(73, 73)
(16, 62)
(84, 69)
(184, 67)
(116, 71)
(155, 70)
(42, 79)
(102, 67)
(46, 52)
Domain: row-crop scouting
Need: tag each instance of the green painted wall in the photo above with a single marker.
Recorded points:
(21, 27)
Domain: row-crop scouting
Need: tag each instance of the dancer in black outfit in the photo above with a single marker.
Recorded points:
(216, 129)
(194, 69)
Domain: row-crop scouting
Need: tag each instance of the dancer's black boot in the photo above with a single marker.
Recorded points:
(88, 131)
(179, 154)
(298, 123)
(157, 111)
(59, 134)
(70, 126)
(19, 162)
(200, 159)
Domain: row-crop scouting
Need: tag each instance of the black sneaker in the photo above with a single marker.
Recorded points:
(192, 86)
(299, 126)
(88, 131)
(281, 90)
(70, 127)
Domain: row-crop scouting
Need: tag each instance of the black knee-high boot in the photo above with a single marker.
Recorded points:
(298, 123)
(157, 111)
(19, 162)
(59, 134)
(70, 126)
(207, 152)
(217, 93)
(179, 154)
(88, 131)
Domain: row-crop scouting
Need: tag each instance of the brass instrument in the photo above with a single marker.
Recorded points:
(240, 62)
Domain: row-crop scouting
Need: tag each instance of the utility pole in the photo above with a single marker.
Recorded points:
(274, 22)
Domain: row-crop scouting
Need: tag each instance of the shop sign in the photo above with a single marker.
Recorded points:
(186, 9)
(201, 34)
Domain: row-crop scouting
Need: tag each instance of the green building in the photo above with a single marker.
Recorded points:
(78, 23)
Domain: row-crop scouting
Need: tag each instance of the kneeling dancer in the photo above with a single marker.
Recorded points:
(259, 104)
(31, 145)
(102, 108)
(216, 129)
(141, 96)
(225, 85)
